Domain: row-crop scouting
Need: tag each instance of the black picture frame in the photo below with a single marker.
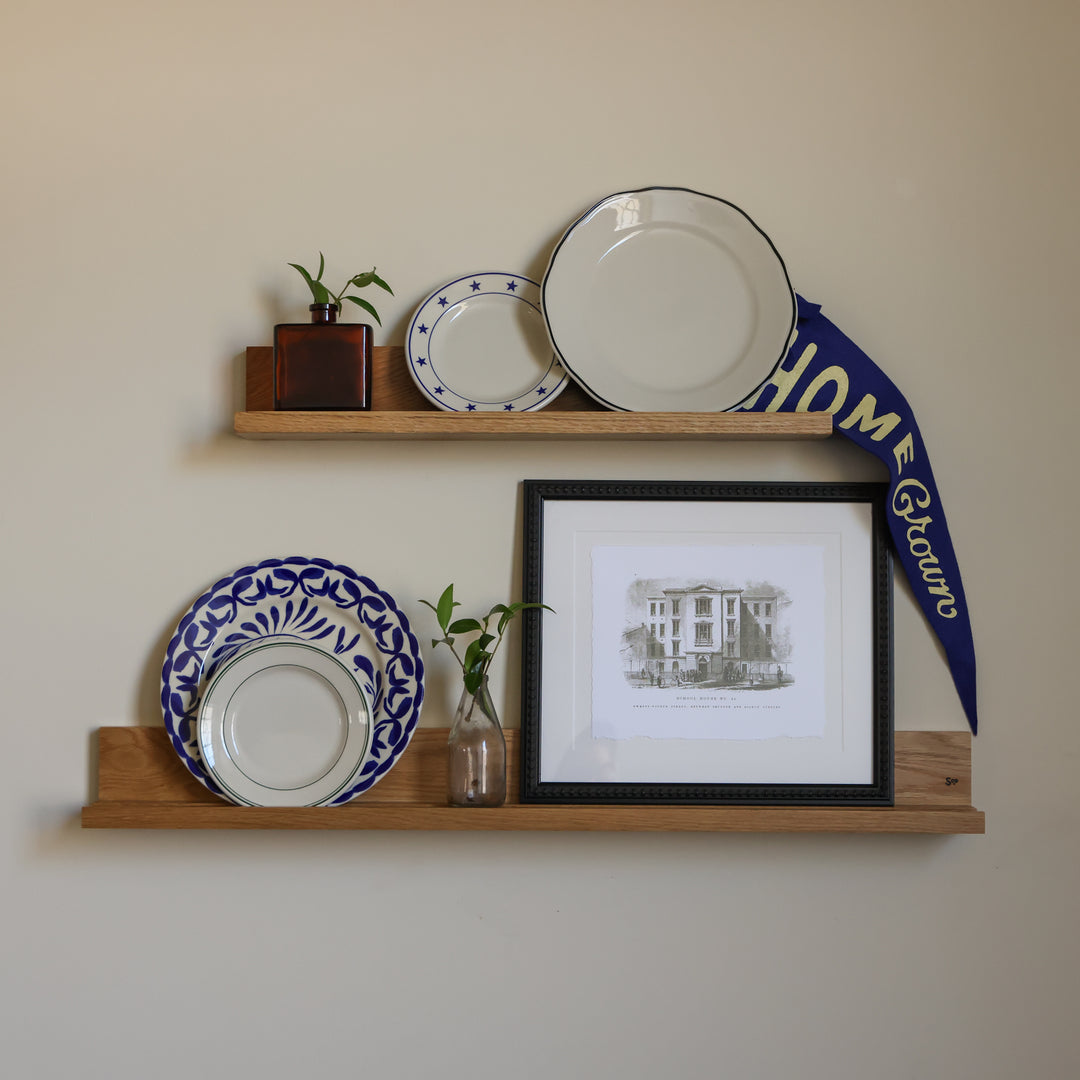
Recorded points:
(600, 725)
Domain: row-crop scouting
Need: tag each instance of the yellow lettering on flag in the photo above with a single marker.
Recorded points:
(904, 451)
(784, 380)
(831, 374)
(863, 414)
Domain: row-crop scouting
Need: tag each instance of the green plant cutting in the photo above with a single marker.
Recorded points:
(481, 650)
(323, 295)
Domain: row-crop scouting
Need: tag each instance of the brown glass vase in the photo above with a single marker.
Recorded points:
(323, 364)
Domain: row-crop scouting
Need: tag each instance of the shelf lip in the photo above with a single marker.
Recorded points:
(544, 424)
(531, 817)
(142, 784)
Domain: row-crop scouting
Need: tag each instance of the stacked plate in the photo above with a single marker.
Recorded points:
(284, 724)
(293, 682)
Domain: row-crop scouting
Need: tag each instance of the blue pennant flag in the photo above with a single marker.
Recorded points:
(824, 371)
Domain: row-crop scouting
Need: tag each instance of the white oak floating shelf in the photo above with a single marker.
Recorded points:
(143, 785)
(400, 411)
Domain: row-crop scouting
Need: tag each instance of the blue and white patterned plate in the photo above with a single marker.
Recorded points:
(479, 344)
(305, 600)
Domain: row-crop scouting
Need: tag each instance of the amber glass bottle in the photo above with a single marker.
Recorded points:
(323, 364)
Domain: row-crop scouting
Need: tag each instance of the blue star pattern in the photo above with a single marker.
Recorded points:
(443, 370)
(315, 601)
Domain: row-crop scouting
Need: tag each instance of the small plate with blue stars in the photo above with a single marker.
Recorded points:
(480, 344)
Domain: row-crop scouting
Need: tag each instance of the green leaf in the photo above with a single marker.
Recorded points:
(362, 281)
(311, 283)
(476, 658)
(473, 680)
(322, 267)
(516, 608)
(463, 626)
(485, 640)
(321, 293)
(307, 276)
(366, 306)
(497, 607)
(379, 281)
(472, 652)
(446, 607)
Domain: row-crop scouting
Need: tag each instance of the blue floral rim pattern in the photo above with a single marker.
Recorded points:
(310, 600)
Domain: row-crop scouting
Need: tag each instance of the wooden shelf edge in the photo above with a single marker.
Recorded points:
(400, 411)
(522, 817)
(142, 784)
(545, 425)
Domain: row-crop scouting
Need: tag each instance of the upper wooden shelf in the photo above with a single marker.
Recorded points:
(143, 785)
(399, 410)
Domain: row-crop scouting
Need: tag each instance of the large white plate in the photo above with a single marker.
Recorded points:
(311, 601)
(479, 344)
(668, 300)
(284, 724)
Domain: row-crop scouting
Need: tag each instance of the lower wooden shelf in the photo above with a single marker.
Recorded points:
(516, 817)
(143, 785)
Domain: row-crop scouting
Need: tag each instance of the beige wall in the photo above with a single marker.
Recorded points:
(916, 165)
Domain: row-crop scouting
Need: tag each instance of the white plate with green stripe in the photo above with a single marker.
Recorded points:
(284, 724)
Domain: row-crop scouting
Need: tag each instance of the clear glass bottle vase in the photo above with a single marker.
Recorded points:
(477, 752)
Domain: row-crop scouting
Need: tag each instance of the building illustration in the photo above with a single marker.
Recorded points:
(709, 634)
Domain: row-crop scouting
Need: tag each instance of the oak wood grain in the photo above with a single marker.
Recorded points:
(933, 768)
(143, 784)
(392, 388)
(138, 764)
(399, 410)
(518, 817)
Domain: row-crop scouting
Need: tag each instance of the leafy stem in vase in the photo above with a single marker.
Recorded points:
(481, 650)
(323, 295)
